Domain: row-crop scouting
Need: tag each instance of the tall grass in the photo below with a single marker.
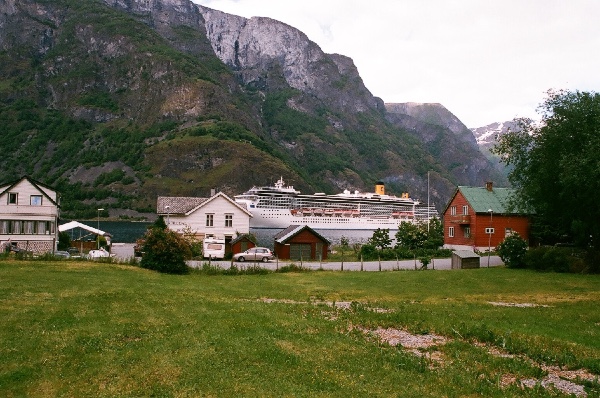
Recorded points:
(94, 329)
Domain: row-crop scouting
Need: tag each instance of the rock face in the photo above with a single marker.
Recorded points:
(435, 114)
(90, 85)
(447, 139)
(254, 47)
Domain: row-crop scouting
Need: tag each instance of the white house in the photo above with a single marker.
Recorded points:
(217, 216)
(29, 212)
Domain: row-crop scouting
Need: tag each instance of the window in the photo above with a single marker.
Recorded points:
(465, 210)
(451, 232)
(13, 198)
(210, 220)
(508, 232)
(35, 200)
(489, 231)
(28, 227)
(453, 210)
(467, 232)
(229, 220)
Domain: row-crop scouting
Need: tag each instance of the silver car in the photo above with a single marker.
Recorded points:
(255, 254)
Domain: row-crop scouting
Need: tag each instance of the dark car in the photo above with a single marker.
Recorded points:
(255, 254)
(62, 254)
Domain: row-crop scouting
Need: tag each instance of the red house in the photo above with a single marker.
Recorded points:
(478, 218)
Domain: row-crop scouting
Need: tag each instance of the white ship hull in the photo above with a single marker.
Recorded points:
(283, 218)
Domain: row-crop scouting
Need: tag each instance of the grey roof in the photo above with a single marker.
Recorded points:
(294, 230)
(466, 254)
(184, 205)
(177, 204)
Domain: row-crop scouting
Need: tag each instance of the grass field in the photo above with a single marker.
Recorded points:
(103, 330)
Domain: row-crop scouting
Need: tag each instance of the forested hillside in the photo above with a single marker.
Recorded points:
(115, 104)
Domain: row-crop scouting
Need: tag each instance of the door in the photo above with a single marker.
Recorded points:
(300, 251)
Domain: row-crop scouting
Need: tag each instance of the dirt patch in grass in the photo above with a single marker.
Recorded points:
(424, 346)
(565, 381)
(521, 305)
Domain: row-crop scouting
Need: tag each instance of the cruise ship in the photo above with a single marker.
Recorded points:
(280, 206)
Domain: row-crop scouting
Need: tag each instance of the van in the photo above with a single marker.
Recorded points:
(213, 247)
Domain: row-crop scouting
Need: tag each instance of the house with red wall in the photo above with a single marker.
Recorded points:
(300, 242)
(479, 218)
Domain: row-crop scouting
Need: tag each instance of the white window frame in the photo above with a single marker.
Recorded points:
(15, 198)
(489, 231)
(467, 232)
(451, 232)
(465, 210)
(452, 210)
(229, 220)
(210, 220)
(35, 200)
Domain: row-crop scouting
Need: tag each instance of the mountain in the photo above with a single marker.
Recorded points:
(447, 140)
(115, 102)
(487, 137)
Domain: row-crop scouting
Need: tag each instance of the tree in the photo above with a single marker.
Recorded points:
(64, 241)
(164, 250)
(512, 251)
(556, 167)
(411, 236)
(435, 234)
(380, 239)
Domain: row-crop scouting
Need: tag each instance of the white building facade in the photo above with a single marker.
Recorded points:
(29, 213)
(217, 216)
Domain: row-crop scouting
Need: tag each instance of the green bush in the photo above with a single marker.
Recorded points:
(557, 259)
(512, 251)
(165, 251)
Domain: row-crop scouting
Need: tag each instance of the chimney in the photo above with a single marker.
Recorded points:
(213, 192)
(489, 186)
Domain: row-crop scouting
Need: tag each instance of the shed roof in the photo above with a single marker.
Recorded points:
(294, 230)
(242, 237)
(466, 254)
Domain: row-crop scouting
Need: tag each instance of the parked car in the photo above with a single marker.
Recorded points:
(74, 252)
(62, 254)
(254, 254)
(98, 253)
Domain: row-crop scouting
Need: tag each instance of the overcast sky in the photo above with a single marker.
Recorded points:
(486, 61)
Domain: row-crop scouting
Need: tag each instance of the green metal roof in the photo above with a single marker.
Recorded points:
(482, 200)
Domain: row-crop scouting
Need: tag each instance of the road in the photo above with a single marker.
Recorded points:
(438, 263)
(124, 251)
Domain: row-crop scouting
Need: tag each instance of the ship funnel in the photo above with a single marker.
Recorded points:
(380, 188)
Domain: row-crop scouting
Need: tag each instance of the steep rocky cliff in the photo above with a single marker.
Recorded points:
(118, 101)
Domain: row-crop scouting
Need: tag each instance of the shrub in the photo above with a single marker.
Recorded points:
(292, 268)
(165, 251)
(557, 259)
(512, 251)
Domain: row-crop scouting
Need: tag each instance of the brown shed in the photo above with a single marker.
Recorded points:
(300, 242)
(242, 243)
(464, 259)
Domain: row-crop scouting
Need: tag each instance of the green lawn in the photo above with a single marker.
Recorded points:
(87, 329)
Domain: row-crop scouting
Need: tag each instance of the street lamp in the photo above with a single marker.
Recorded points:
(167, 207)
(99, 210)
(490, 236)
